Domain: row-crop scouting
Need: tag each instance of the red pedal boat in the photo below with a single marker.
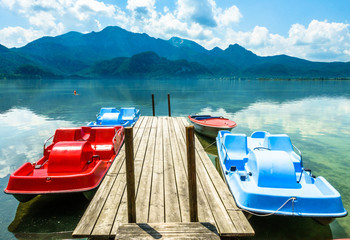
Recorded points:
(75, 161)
(210, 126)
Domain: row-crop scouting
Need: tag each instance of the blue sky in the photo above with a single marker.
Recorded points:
(317, 30)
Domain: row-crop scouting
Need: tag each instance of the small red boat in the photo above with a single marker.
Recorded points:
(75, 161)
(210, 126)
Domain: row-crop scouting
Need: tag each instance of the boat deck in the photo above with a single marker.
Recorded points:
(161, 186)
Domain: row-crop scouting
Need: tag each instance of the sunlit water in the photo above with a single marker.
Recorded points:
(315, 114)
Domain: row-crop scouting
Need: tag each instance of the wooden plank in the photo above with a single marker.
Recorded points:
(92, 213)
(106, 219)
(222, 218)
(87, 222)
(114, 169)
(144, 188)
(240, 222)
(171, 197)
(237, 216)
(121, 215)
(194, 230)
(161, 187)
(156, 208)
(180, 174)
(204, 212)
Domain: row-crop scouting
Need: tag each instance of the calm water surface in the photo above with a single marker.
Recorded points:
(315, 114)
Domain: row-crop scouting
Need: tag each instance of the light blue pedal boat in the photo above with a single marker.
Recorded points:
(266, 176)
(125, 117)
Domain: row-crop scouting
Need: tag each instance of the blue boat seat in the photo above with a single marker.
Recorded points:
(108, 110)
(236, 150)
(127, 114)
(280, 143)
(110, 119)
(259, 134)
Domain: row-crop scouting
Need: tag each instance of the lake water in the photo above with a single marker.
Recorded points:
(315, 114)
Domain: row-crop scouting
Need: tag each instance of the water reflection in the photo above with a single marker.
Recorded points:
(314, 113)
(48, 214)
(22, 137)
(289, 228)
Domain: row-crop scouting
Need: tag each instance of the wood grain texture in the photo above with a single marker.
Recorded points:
(180, 230)
(162, 190)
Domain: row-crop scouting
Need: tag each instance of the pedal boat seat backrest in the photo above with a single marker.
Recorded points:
(127, 114)
(65, 134)
(69, 156)
(236, 150)
(104, 111)
(102, 141)
(282, 142)
(110, 119)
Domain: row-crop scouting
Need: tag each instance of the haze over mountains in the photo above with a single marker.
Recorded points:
(117, 53)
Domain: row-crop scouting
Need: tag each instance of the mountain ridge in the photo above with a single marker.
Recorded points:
(75, 54)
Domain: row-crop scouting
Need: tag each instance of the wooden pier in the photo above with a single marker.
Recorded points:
(161, 188)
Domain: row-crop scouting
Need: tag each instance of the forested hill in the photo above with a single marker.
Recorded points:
(112, 51)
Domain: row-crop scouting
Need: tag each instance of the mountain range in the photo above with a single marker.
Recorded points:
(117, 53)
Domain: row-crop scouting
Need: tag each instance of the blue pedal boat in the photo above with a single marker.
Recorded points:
(125, 117)
(266, 176)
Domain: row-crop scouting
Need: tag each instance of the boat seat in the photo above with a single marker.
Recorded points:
(259, 134)
(236, 147)
(102, 141)
(127, 114)
(280, 142)
(69, 156)
(66, 134)
(110, 119)
(108, 110)
(84, 133)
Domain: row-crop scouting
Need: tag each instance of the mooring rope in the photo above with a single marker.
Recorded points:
(269, 214)
(209, 145)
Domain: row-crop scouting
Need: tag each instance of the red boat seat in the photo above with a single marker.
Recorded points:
(72, 134)
(101, 139)
(65, 134)
(69, 156)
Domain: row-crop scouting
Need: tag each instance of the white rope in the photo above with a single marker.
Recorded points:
(268, 214)
(209, 145)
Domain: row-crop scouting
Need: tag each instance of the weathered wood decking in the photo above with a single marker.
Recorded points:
(161, 185)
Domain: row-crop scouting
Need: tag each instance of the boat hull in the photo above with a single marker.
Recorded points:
(211, 132)
(261, 186)
(77, 165)
(210, 126)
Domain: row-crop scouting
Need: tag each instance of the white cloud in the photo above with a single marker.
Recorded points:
(319, 41)
(228, 16)
(54, 17)
(18, 36)
(200, 20)
(98, 24)
(134, 4)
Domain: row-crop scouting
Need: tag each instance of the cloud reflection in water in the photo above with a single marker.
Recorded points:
(23, 134)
